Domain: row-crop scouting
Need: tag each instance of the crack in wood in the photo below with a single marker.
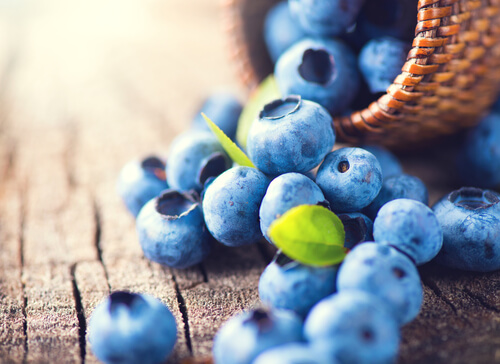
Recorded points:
(480, 299)
(435, 289)
(97, 240)
(22, 225)
(80, 314)
(184, 313)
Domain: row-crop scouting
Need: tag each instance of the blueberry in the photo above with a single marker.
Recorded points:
(325, 17)
(193, 158)
(381, 60)
(131, 328)
(470, 219)
(294, 353)
(355, 327)
(280, 30)
(171, 230)
(243, 337)
(320, 70)
(388, 161)
(398, 186)
(289, 285)
(284, 192)
(350, 178)
(478, 161)
(411, 227)
(231, 206)
(290, 135)
(393, 18)
(386, 273)
(358, 228)
(140, 181)
(223, 109)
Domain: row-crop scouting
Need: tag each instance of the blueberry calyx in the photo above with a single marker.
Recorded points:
(214, 165)
(343, 166)
(367, 334)
(261, 318)
(398, 272)
(281, 107)
(155, 166)
(355, 227)
(318, 66)
(122, 298)
(472, 198)
(172, 204)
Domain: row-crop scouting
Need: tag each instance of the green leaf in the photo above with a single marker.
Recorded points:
(265, 93)
(310, 234)
(235, 153)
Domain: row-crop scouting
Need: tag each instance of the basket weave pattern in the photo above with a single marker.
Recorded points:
(450, 79)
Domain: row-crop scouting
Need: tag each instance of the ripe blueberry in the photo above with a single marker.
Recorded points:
(280, 30)
(355, 327)
(350, 178)
(231, 206)
(470, 219)
(140, 181)
(284, 192)
(320, 70)
(131, 328)
(248, 334)
(194, 157)
(287, 284)
(411, 227)
(223, 109)
(386, 273)
(290, 135)
(172, 231)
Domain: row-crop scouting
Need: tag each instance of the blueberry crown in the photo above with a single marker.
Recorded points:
(122, 298)
(472, 198)
(318, 66)
(154, 165)
(172, 204)
(281, 107)
(261, 318)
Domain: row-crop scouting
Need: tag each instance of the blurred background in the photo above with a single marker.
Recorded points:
(161, 57)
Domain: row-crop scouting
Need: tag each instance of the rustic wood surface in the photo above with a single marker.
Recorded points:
(86, 86)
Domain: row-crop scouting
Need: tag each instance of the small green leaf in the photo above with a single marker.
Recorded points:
(310, 234)
(235, 153)
(265, 93)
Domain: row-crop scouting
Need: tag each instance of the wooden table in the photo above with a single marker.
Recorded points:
(86, 86)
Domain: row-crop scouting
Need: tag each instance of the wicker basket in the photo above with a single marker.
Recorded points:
(450, 79)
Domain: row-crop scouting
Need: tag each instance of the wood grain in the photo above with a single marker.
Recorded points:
(86, 86)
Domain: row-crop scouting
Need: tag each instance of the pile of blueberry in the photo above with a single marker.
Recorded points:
(340, 54)
(350, 312)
